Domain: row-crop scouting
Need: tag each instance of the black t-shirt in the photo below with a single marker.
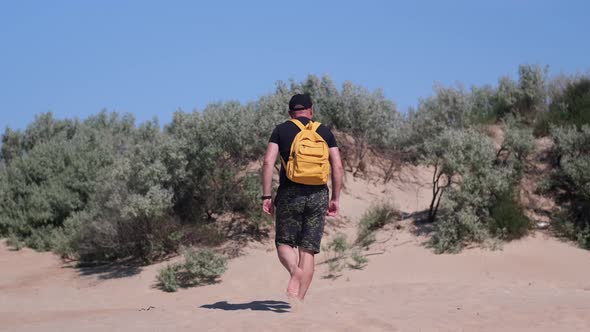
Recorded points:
(284, 134)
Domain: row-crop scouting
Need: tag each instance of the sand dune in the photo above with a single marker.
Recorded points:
(535, 284)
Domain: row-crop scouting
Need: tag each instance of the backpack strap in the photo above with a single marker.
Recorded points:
(314, 124)
(302, 128)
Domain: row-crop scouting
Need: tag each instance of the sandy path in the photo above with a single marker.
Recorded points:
(536, 284)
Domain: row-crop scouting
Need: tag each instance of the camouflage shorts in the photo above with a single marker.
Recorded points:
(300, 215)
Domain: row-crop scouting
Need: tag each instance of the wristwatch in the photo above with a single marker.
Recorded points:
(266, 197)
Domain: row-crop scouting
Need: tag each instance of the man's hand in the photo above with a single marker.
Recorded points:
(333, 208)
(267, 206)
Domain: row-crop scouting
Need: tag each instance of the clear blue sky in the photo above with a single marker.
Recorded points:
(150, 58)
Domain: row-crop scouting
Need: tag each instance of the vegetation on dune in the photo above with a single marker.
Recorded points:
(570, 181)
(103, 188)
(198, 268)
(570, 105)
(375, 218)
(340, 253)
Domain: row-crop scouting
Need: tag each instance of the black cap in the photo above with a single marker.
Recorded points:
(300, 102)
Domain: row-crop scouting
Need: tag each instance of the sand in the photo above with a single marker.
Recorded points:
(535, 284)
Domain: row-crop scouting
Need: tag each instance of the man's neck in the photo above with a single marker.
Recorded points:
(300, 116)
(303, 114)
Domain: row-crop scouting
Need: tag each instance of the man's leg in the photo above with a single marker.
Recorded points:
(290, 260)
(311, 236)
(306, 265)
(289, 218)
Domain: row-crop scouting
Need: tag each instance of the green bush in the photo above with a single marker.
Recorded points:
(570, 181)
(199, 267)
(542, 125)
(517, 145)
(339, 245)
(483, 106)
(359, 261)
(373, 219)
(525, 98)
(508, 220)
(339, 252)
(583, 237)
(472, 175)
(247, 200)
(167, 278)
(447, 237)
(458, 228)
(465, 217)
(14, 242)
(571, 107)
(575, 230)
(336, 252)
(545, 186)
(455, 154)
(105, 189)
(203, 266)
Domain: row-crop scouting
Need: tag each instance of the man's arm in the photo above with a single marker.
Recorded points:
(272, 150)
(337, 172)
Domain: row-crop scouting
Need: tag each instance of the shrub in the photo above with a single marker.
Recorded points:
(339, 245)
(542, 125)
(359, 261)
(202, 266)
(570, 181)
(508, 219)
(145, 239)
(14, 242)
(518, 142)
(474, 179)
(39, 239)
(335, 266)
(336, 252)
(167, 278)
(199, 267)
(465, 216)
(570, 107)
(373, 219)
(525, 98)
(545, 185)
(448, 108)
(567, 227)
(454, 154)
(483, 105)
(447, 237)
(248, 200)
(458, 228)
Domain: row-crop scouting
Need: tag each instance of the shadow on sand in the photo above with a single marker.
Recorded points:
(109, 271)
(268, 305)
(421, 224)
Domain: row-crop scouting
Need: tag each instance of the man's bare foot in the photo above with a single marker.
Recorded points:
(295, 302)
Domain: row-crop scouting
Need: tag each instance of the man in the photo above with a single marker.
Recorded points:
(300, 209)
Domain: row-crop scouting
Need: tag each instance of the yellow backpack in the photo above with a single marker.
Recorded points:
(309, 159)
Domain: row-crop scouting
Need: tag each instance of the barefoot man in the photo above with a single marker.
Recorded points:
(300, 208)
